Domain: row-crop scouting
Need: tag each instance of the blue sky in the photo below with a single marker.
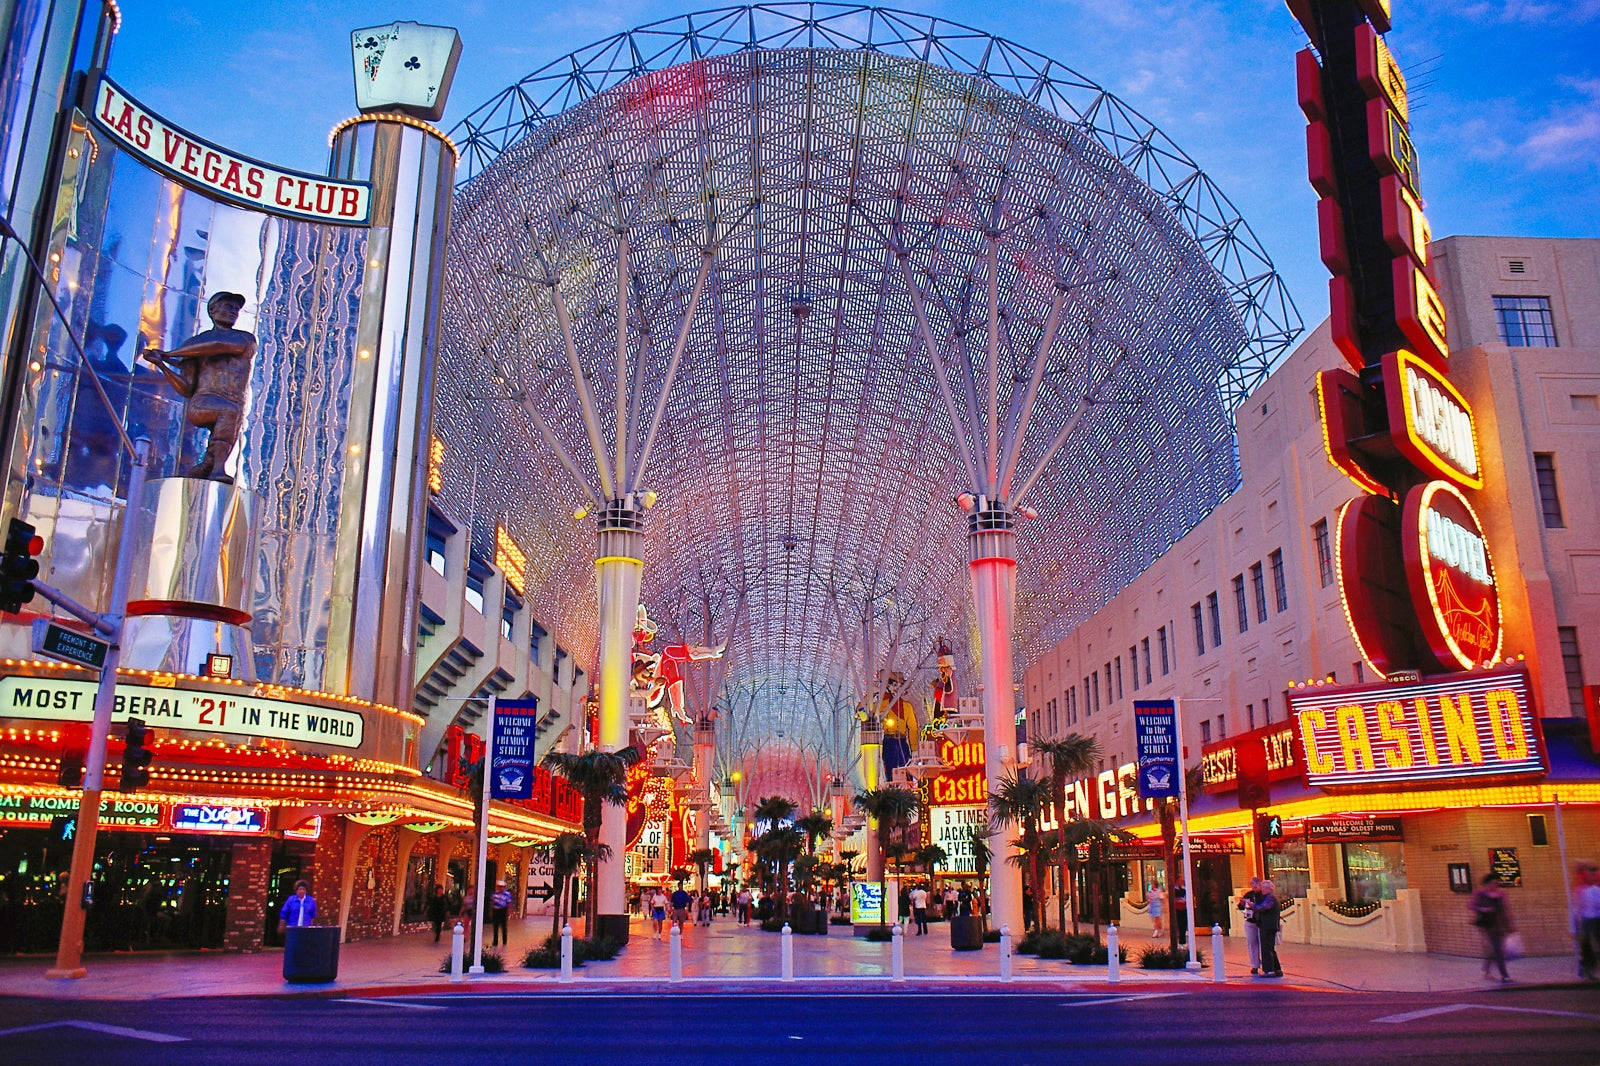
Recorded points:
(1505, 114)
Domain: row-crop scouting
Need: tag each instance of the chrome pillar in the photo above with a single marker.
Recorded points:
(371, 643)
(617, 569)
(993, 563)
(704, 747)
(191, 590)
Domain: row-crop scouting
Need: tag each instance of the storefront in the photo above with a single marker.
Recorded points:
(252, 788)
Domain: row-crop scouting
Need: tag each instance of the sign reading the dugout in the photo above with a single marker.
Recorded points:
(62, 700)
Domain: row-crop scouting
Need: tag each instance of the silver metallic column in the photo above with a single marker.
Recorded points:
(617, 569)
(993, 564)
(382, 515)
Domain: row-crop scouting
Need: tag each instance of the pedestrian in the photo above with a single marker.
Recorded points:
(299, 909)
(951, 899)
(680, 907)
(1180, 912)
(438, 907)
(741, 904)
(703, 916)
(1252, 932)
(658, 909)
(1493, 918)
(1156, 899)
(964, 902)
(1268, 915)
(500, 914)
(1586, 918)
(919, 909)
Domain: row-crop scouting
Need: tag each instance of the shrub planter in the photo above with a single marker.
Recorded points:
(966, 933)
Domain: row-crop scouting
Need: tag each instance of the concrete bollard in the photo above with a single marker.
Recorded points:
(566, 952)
(676, 972)
(897, 954)
(1216, 955)
(458, 949)
(1113, 955)
(1005, 953)
(788, 952)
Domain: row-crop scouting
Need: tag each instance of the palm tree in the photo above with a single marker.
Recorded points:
(774, 809)
(1098, 836)
(779, 846)
(928, 856)
(978, 840)
(702, 859)
(1167, 811)
(1071, 756)
(1021, 801)
(600, 777)
(815, 826)
(888, 807)
(569, 853)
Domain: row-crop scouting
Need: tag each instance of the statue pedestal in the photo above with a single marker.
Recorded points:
(190, 594)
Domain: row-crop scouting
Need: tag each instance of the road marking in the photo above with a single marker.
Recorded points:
(100, 1027)
(1096, 1001)
(393, 1003)
(1451, 1008)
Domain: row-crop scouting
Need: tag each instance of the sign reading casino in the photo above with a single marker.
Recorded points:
(1477, 725)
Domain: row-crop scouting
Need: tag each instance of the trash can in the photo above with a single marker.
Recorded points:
(966, 932)
(311, 954)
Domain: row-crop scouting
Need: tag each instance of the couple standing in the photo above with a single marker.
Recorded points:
(1263, 916)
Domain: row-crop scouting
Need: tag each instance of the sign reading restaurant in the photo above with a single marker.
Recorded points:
(1474, 725)
(224, 174)
(64, 700)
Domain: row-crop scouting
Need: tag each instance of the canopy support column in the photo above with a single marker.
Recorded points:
(618, 567)
(993, 564)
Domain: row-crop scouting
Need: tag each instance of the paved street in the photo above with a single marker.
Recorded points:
(1134, 1025)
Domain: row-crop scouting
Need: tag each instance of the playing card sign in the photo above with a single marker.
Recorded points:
(405, 67)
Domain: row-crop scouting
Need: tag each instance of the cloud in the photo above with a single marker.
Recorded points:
(1531, 11)
(1569, 134)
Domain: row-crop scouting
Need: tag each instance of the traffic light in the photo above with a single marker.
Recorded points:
(71, 772)
(135, 757)
(18, 566)
(1269, 827)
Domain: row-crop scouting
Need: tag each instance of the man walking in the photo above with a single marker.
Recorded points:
(919, 909)
(500, 913)
(438, 907)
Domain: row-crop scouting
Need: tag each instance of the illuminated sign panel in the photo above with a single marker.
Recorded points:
(1419, 312)
(224, 174)
(217, 818)
(1452, 576)
(39, 810)
(1430, 422)
(237, 714)
(966, 782)
(1219, 763)
(1474, 726)
(951, 829)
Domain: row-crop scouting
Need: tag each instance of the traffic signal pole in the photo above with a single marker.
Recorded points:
(69, 952)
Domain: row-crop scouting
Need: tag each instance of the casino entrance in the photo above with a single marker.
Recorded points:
(152, 892)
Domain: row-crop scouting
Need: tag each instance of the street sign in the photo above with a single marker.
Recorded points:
(515, 723)
(542, 892)
(68, 645)
(1155, 726)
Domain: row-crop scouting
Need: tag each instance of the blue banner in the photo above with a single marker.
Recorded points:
(1155, 730)
(511, 753)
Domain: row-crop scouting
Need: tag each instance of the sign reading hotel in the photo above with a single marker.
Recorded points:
(64, 700)
(1452, 578)
(1478, 725)
(226, 175)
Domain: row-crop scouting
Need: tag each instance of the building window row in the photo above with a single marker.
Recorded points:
(1525, 321)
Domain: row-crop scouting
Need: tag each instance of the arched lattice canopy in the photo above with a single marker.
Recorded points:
(841, 166)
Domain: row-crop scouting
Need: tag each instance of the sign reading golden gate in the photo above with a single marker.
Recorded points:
(1476, 725)
(224, 174)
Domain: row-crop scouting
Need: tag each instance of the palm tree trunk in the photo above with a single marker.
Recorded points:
(1074, 908)
(555, 910)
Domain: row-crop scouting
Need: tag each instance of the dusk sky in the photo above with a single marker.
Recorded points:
(1505, 113)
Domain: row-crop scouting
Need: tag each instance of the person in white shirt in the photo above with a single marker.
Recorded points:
(1586, 918)
(919, 909)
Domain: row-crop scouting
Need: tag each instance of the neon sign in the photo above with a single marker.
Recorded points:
(1430, 422)
(1477, 725)
(966, 782)
(1452, 576)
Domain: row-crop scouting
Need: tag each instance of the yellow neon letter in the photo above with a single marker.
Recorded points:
(1311, 721)
(1461, 730)
(1392, 724)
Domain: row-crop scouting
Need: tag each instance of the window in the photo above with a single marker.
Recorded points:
(1266, 711)
(1239, 604)
(1145, 644)
(1258, 585)
(1572, 661)
(1133, 664)
(1088, 704)
(1222, 727)
(1199, 629)
(436, 541)
(1214, 611)
(536, 635)
(555, 665)
(1544, 468)
(1372, 871)
(1538, 831)
(1319, 535)
(1525, 321)
(508, 614)
(1161, 637)
(1250, 714)
(1280, 587)
(1360, 670)
(1109, 696)
(1094, 702)
(1205, 731)
(435, 551)
(477, 577)
(1119, 677)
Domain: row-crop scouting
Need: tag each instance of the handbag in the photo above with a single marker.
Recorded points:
(1513, 946)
